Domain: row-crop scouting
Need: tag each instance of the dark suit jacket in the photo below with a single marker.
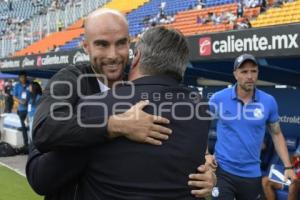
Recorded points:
(59, 100)
(127, 170)
(51, 134)
(123, 169)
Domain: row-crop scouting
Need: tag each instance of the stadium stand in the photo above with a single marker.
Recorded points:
(187, 21)
(20, 11)
(43, 22)
(287, 13)
(13, 18)
(75, 43)
(136, 17)
(188, 18)
(124, 6)
(152, 9)
(50, 42)
(73, 32)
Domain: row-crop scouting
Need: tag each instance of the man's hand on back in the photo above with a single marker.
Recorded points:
(202, 182)
(139, 126)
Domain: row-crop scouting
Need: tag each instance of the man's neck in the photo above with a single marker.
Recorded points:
(135, 74)
(245, 96)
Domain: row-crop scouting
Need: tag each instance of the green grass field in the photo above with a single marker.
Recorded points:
(15, 187)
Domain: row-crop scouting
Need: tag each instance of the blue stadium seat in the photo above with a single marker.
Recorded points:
(71, 44)
(152, 9)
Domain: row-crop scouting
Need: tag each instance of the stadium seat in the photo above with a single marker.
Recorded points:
(277, 16)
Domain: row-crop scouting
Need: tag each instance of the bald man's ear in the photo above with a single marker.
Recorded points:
(85, 46)
(136, 59)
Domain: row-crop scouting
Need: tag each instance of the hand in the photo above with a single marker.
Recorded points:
(139, 126)
(290, 174)
(211, 162)
(22, 101)
(203, 182)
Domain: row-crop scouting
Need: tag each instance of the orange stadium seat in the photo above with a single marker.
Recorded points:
(186, 21)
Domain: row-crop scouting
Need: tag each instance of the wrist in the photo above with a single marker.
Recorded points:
(215, 178)
(113, 127)
(289, 168)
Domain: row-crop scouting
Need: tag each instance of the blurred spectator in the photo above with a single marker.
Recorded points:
(278, 3)
(146, 19)
(162, 8)
(200, 4)
(251, 3)
(243, 24)
(223, 17)
(60, 25)
(21, 93)
(8, 97)
(36, 3)
(230, 17)
(240, 9)
(206, 19)
(10, 5)
(35, 95)
(54, 49)
(159, 19)
(199, 20)
(270, 186)
(263, 6)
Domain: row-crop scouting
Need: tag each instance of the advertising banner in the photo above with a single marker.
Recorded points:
(262, 42)
(44, 61)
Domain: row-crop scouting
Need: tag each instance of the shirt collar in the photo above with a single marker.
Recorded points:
(234, 96)
(103, 88)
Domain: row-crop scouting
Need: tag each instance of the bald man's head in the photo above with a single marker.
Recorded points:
(107, 43)
(103, 17)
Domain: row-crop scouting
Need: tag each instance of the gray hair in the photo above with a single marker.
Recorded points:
(163, 52)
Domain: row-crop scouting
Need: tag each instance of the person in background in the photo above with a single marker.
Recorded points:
(35, 95)
(243, 113)
(8, 97)
(21, 93)
(269, 186)
(240, 9)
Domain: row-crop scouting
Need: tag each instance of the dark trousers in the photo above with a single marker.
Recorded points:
(8, 104)
(22, 115)
(230, 187)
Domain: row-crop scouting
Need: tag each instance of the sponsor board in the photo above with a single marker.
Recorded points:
(80, 57)
(27, 62)
(10, 64)
(278, 41)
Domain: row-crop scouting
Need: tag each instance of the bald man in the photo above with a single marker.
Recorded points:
(56, 127)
